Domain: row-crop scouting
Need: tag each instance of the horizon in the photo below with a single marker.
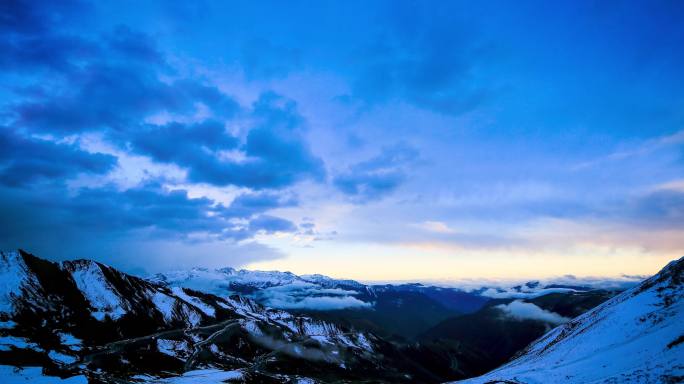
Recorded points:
(464, 283)
(374, 141)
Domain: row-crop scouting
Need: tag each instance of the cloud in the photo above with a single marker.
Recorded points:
(424, 56)
(324, 303)
(26, 160)
(120, 83)
(521, 310)
(252, 203)
(95, 97)
(377, 177)
(507, 293)
(664, 208)
(26, 18)
(71, 83)
(276, 153)
(262, 59)
(271, 224)
(309, 296)
(144, 212)
(28, 39)
(186, 145)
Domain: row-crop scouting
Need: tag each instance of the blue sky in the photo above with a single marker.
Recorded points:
(371, 140)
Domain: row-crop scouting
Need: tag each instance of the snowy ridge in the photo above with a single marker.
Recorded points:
(221, 279)
(96, 289)
(283, 290)
(14, 277)
(635, 337)
(64, 317)
(288, 291)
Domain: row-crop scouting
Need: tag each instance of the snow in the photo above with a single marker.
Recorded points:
(174, 348)
(306, 380)
(203, 376)
(68, 340)
(13, 275)
(34, 375)
(252, 327)
(61, 358)
(164, 303)
(275, 289)
(208, 310)
(9, 342)
(94, 286)
(626, 339)
(193, 317)
(363, 341)
(7, 324)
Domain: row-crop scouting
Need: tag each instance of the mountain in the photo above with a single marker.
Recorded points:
(393, 311)
(492, 335)
(88, 322)
(636, 337)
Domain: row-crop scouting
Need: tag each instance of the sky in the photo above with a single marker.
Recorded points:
(374, 140)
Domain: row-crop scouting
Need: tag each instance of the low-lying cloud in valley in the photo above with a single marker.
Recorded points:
(309, 296)
(521, 310)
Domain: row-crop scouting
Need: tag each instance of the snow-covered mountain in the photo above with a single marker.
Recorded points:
(286, 290)
(276, 289)
(89, 322)
(223, 279)
(635, 337)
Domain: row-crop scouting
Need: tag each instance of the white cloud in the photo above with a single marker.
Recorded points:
(309, 296)
(521, 310)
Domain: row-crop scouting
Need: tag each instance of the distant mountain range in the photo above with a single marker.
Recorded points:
(86, 322)
(396, 311)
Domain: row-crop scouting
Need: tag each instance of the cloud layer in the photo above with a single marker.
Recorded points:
(521, 310)
(311, 297)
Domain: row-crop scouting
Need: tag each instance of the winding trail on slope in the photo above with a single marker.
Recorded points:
(229, 326)
(119, 345)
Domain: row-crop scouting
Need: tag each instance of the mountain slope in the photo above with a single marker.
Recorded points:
(82, 319)
(636, 337)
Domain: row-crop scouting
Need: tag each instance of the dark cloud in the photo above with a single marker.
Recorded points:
(116, 97)
(143, 227)
(113, 83)
(249, 204)
(271, 224)
(377, 177)
(29, 37)
(134, 45)
(262, 59)
(148, 210)
(28, 53)
(658, 209)
(24, 17)
(427, 56)
(27, 160)
(183, 144)
(277, 153)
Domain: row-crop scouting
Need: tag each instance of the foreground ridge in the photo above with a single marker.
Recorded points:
(635, 337)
